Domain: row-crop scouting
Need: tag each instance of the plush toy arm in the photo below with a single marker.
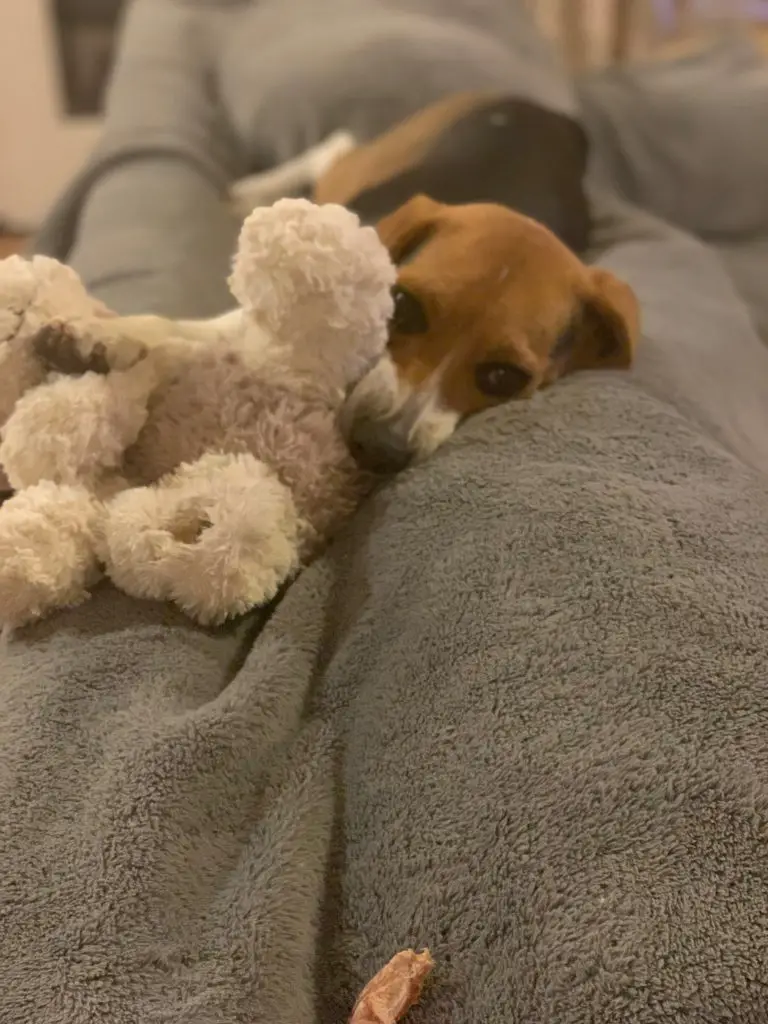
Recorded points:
(48, 321)
(35, 292)
(217, 537)
(104, 344)
(48, 541)
(74, 430)
(37, 297)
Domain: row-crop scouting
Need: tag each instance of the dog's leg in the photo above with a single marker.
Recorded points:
(291, 177)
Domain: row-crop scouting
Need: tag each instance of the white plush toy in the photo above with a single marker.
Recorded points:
(33, 293)
(193, 461)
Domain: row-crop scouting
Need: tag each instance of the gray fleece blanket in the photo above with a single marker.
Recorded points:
(517, 714)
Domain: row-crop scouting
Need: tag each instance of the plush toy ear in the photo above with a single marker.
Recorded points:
(606, 328)
(406, 230)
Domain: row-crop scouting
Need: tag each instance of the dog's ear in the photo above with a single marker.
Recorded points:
(409, 227)
(605, 329)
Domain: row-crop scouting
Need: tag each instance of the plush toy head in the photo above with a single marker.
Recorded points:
(318, 284)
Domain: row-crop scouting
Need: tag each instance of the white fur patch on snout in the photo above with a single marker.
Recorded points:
(417, 415)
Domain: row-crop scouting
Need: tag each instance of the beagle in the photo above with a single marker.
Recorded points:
(489, 306)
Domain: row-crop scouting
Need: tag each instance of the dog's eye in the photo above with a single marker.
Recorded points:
(409, 316)
(501, 380)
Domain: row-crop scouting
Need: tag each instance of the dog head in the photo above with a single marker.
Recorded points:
(489, 306)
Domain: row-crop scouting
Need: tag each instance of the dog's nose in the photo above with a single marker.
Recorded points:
(378, 447)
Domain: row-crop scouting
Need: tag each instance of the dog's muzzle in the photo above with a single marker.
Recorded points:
(387, 424)
(377, 445)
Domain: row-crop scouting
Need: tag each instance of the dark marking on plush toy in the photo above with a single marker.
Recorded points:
(57, 345)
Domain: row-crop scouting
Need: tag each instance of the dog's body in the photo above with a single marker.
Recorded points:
(480, 200)
(469, 148)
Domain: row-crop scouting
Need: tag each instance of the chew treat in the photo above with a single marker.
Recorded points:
(394, 990)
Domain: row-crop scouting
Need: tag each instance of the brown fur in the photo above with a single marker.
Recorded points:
(498, 286)
(393, 152)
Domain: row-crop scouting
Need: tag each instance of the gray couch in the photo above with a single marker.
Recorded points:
(518, 712)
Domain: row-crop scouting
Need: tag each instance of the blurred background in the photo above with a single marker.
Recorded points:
(56, 55)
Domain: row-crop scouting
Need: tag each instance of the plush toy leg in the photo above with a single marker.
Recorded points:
(48, 541)
(75, 429)
(217, 537)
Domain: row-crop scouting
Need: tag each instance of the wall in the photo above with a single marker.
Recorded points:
(40, 150)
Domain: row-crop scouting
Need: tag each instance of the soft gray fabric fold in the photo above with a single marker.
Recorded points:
(686, 139)
(517, 713)
(162, 165)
